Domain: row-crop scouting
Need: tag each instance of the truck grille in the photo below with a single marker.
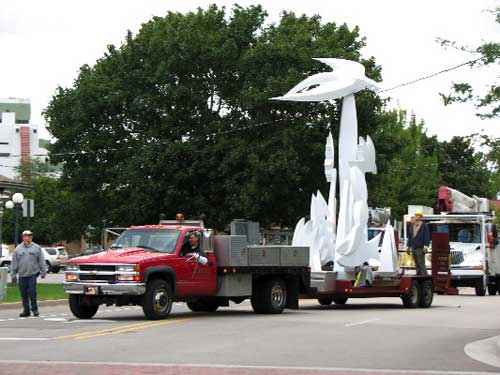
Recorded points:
(98, 267)
(457, 257)
(98, 278)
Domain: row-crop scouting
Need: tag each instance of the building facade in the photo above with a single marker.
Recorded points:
(18, 136)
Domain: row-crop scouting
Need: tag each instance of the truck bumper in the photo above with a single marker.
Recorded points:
(457, 274)
(134, 289)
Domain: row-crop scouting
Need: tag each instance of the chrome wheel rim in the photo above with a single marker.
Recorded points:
(277, 296)
(161, 300)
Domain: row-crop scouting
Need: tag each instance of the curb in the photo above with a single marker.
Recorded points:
(19, 305)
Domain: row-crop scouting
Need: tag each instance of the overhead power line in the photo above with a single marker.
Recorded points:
(253, 126)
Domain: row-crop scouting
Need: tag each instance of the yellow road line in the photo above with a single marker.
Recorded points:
(120, 329)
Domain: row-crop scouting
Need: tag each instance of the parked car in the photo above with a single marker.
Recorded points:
(5, 261)
(63, 255)
(52, 259)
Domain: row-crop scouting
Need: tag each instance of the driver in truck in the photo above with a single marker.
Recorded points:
(192, 248)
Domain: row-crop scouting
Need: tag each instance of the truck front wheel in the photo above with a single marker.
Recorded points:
(481, 287)
(269, 296)
(325, 301)
(157, 301)
(80, 309)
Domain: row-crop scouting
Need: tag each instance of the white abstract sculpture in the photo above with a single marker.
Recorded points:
(345, 241)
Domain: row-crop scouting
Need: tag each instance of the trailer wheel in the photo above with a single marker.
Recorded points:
(340, 300)
(325, 301)
(427, 289)
(269, 297)
(157, 301)
(203, 305)
(481, 286)
(492, 289)
(79, 309)
(411, 299)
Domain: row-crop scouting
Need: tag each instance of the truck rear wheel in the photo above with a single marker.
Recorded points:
(481, 286)
(427, 296)
(203, 305)
(157, 301)
(269, 296)
(411, 300)
(80, 309)
(340, 300)
(325, 301)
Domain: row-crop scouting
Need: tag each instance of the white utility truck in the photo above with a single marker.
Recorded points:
(474, 245)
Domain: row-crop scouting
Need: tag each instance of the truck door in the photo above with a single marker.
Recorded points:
(193, 278)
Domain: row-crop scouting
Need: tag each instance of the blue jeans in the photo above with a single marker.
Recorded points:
(27, 287)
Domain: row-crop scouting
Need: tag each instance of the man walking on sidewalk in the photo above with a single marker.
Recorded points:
(28, 261)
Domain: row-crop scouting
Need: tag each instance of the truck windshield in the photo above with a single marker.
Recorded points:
(161, 240)
(459, 232)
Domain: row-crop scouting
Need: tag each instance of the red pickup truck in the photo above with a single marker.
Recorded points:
(147, 266)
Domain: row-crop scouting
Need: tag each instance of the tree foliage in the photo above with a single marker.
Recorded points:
(489, 53)
(167, 121)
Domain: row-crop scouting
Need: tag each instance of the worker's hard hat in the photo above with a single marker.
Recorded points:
(419, 213)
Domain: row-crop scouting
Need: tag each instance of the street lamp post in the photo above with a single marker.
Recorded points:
(17, 200)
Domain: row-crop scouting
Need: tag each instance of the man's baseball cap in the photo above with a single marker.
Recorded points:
(27, 233)
(419, 213)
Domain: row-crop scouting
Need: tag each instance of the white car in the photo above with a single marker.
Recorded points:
(63, 254)
(52, 259)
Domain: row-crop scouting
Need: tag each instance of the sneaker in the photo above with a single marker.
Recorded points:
(36, 313)
(24, 314)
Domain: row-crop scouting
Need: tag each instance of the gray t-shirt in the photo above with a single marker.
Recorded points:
(27, 260)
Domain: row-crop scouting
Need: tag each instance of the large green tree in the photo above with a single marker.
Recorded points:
(178, 118)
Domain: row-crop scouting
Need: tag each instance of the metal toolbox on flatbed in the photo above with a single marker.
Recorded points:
(231, 251)
(279, 255)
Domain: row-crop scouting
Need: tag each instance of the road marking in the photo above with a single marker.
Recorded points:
(485, 351)
(24, 338)
(120, 329)
(74, 321)
(56, 319)
(361, 322)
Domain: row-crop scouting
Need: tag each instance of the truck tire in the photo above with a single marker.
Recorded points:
(56, 269)
(269, 296)
(203, 305)
(411, 300)
(492, 289)
(157, 301)
(49, 267)
(80, 310)
(481, 287)
(427, 289)
(325, 301)
(340, 300)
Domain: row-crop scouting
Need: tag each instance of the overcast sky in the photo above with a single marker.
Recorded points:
(43, 43)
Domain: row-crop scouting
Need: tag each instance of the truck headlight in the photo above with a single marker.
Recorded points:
(127, 268)
(71, 277)
(72, 267)
(128, 278)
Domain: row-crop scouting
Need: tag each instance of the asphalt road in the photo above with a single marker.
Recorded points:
(364, 336)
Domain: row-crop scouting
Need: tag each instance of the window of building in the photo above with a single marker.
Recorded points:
(4, 154)
(34, 130)
(17, 130)
(22, 121)
(4, 143)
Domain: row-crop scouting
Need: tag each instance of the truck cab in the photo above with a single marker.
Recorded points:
(153, 265)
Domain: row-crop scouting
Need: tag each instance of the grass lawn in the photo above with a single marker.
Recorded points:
(44, 292)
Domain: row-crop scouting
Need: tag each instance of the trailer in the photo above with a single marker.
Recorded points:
(414, 290)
